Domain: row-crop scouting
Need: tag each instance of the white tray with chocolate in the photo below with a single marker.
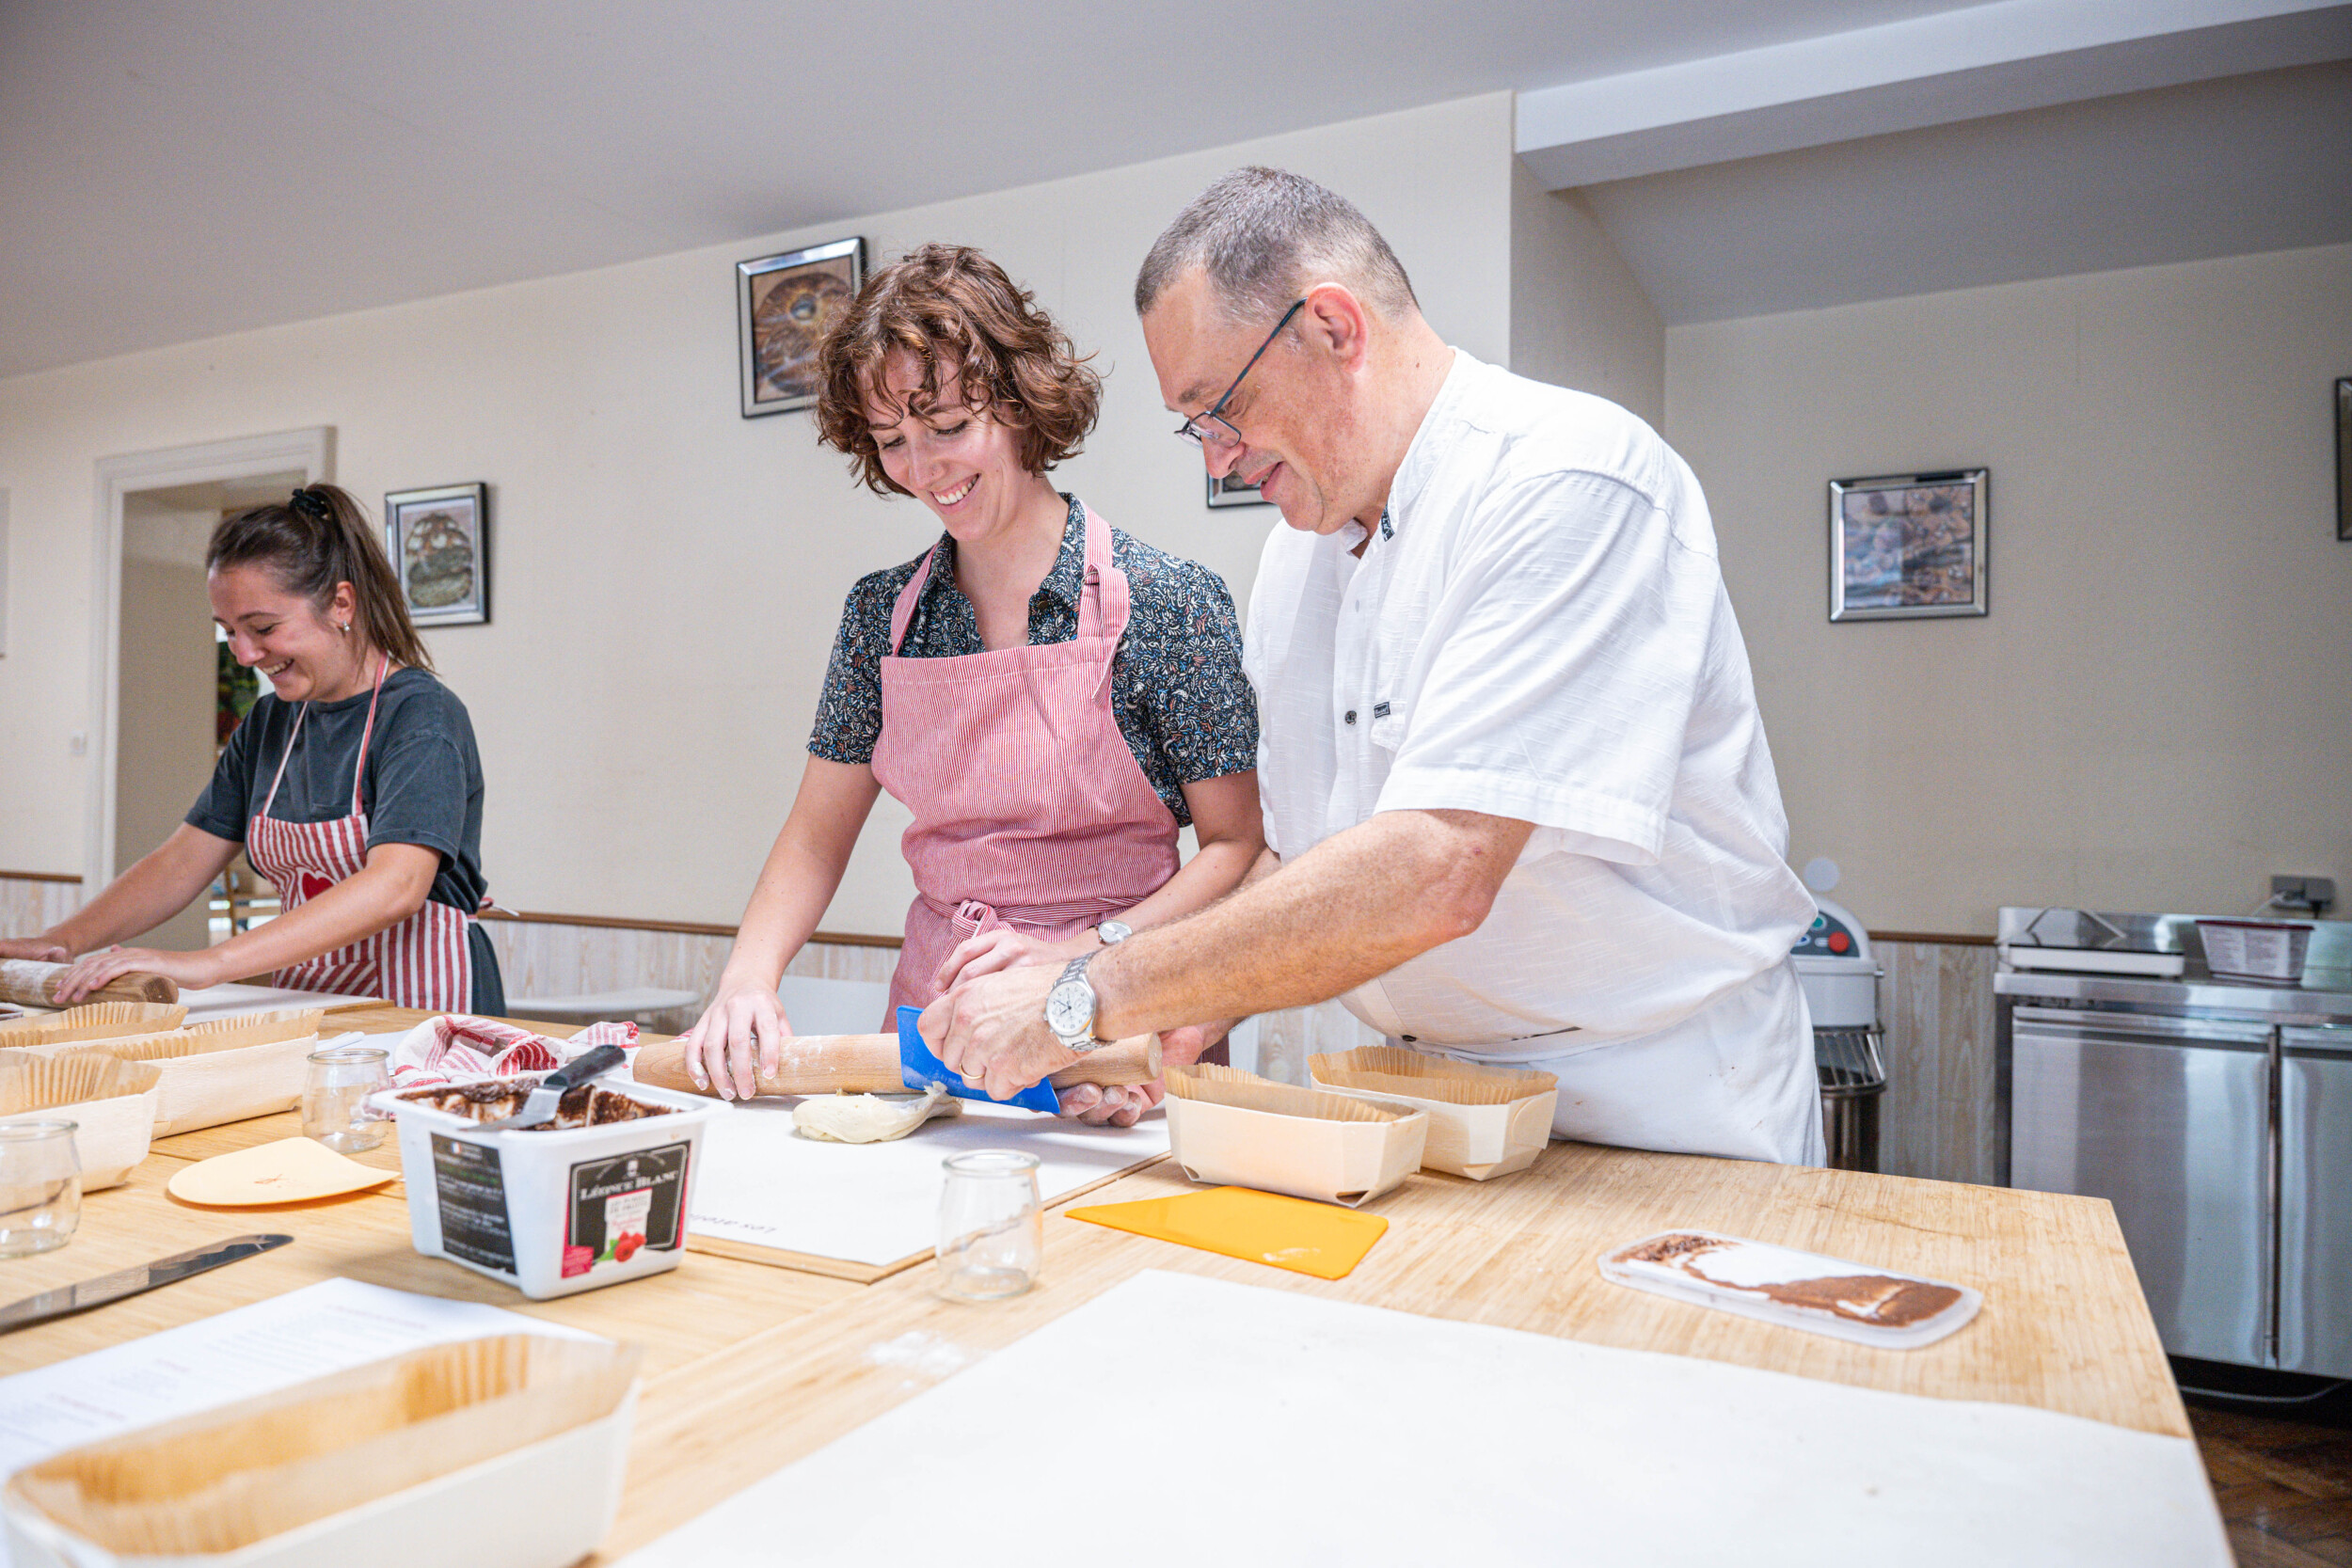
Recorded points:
(1799, 1290)
(594, 1197)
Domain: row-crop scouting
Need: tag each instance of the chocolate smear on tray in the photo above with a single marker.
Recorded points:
(1884, 1301)
(581, 1105)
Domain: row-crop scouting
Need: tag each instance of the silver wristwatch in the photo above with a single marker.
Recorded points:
(1069, 1006)
(1111, 932)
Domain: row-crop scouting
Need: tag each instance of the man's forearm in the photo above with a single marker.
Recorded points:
(1354, 907)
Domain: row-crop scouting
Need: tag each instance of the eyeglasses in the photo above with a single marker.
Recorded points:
(1213, 428)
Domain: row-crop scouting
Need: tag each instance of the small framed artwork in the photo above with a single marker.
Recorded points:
(439, 542)
(2344, 458)
(782, 306)
(1229, 491)
(1907, 546)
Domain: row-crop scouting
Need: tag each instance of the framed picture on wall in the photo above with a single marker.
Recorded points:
(782, 305)
(1907, 546)
(2344, 458)
(1229, 491)
(439, 542)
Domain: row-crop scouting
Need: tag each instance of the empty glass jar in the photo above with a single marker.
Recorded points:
(991, 1228)
(41, 1186)
(334, 1096)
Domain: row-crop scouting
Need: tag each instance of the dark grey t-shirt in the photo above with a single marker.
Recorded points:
(422, 783)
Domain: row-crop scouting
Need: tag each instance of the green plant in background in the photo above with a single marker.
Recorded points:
(239, 688)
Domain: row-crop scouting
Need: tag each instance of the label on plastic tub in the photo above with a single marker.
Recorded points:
(471, 1192)
(624, 1205)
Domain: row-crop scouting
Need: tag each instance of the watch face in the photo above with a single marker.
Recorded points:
(1113, 931)
(1070, 1009)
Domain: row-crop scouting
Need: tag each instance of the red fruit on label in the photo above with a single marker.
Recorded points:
(578, 1260)
(627, 1247)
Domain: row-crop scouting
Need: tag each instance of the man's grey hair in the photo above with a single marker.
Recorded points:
(1264, 236)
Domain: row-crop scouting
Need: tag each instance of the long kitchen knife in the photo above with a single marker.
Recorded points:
(130, 1282)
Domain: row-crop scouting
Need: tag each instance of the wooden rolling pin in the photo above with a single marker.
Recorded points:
(868, 1064)
(29, 984)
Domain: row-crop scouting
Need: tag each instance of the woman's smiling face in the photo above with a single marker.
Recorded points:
(962, 463)
(285, 637)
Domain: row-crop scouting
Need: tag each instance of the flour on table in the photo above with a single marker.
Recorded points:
(870, 1118)
(922, 1352)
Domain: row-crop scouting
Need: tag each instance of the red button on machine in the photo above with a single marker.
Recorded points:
(1839, 941)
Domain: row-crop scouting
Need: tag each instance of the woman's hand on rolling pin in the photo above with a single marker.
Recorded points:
(736, 1038)
(40, 950)
(1111, 1105)
(192, 969)
(1006, 948)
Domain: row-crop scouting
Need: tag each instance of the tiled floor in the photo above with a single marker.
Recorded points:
(2284, 1485)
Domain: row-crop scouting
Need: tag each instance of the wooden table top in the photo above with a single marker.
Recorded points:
(749, 1367)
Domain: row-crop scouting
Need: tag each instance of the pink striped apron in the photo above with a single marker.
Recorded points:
(424, 961)
(1029, 809)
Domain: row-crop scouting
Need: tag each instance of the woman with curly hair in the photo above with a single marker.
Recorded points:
(1048, 697)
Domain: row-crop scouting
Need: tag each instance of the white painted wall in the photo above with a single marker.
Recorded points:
(668, 576)
(165, 749)
(1578, 317)
(2156, 714)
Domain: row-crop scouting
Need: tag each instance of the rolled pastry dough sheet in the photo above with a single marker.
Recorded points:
(870, 1118)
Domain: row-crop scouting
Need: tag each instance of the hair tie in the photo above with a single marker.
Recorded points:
(311, 504)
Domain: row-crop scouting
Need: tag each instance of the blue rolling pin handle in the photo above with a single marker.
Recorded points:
(920, 1070)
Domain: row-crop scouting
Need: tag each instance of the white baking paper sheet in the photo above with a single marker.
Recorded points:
(321, 1328)
(761, 1184)
(1267, 1426)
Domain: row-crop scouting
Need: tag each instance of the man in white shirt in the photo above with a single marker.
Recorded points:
(1518, 804)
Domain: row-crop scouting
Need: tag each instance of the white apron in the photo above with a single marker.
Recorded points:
(1700, 1086)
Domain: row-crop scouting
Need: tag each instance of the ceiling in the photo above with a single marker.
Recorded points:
(2229, 167)
(176, 170)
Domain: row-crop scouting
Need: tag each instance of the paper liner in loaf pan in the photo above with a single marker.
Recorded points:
(1234, 1127)
(507, 1453)
(1483, 1122)
(93, 1021)
(111, 1104)
(225, 1069)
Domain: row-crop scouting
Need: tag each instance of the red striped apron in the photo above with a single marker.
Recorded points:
(1029, 809)
(424, 961)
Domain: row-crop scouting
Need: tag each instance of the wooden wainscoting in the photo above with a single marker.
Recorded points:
(1936, 1000)
(573, 955)
(31, 902)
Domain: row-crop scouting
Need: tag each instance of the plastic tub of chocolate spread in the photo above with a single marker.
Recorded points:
(1798, 1290)
(594, 1198)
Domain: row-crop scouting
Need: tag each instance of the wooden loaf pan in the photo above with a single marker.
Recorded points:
(110, 1102)
(221, 1070)
(500, 1452)
(1235, 1129)
(1483, 1122)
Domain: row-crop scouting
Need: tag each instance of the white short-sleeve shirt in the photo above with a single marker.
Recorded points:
(1541, 632)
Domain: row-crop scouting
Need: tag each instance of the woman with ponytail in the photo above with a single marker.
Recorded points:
(354, 786)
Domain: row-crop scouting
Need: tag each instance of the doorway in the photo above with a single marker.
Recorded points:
(157, 687)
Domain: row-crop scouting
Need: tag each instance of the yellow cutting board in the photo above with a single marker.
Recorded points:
(291, 1170)
(1241, 1222)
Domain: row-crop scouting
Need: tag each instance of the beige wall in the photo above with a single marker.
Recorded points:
(1578, 317)
(668, 576)
(2156, 714)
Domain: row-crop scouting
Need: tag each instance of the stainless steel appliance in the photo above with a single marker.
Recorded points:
(2216, 1114)
(1840, 979)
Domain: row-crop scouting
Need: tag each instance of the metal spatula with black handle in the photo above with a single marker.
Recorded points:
(540, 1107)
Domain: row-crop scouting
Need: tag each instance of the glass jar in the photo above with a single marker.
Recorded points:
(335, 1094)
(991, 1227)
(41, 1186)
